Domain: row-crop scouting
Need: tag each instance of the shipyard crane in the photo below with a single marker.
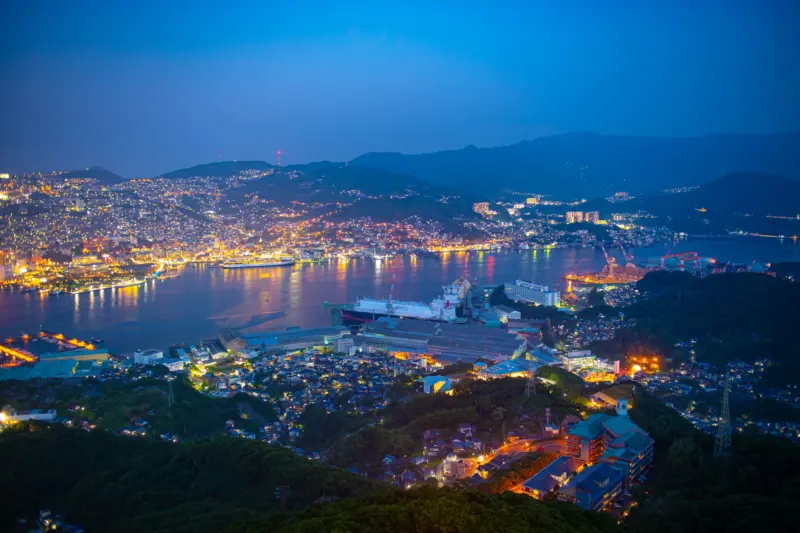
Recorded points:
(628, 257)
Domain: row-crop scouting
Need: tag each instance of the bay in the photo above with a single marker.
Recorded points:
(193, 306)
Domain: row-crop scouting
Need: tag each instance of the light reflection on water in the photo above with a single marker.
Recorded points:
(196, 304)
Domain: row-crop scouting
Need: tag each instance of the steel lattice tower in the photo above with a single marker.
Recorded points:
(530, 385)
(722, 446)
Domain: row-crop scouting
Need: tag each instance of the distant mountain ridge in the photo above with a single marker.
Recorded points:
(746, 193)
(102, 175)
(217, 169)
(745, 201)
(589, 164)
(585, 165)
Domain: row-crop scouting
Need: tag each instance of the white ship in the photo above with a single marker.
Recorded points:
(445, 308)
(259, 263)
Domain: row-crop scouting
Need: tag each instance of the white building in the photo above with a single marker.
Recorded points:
(578, 359)
(9, 415)
(173, 365)
(525, 291)
(147, 357)
(505, 313)
(345, 345)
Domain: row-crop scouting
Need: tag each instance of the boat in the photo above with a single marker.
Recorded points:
(446, 308)
(258, 263)
(119, 285)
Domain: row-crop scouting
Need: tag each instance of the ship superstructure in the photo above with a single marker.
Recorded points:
(446, 308)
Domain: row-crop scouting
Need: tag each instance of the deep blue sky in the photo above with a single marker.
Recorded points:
(145, 87)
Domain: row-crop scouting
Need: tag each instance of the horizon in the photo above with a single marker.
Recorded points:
(345, 162)
(161, 87)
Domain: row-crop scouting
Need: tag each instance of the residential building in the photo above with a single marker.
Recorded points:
(616, 440)
(586, 440)
(553, 476)
(574, 217)
(592, 216)
(595, 487)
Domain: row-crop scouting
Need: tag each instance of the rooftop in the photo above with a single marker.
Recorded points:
(595, 480)
(553, 475)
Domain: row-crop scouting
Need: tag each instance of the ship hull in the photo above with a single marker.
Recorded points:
(351, 316)
(234, 266)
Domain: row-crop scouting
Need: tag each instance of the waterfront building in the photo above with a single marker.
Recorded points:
(297, 339)
(147, 357)
(528, 292)
(232, 340)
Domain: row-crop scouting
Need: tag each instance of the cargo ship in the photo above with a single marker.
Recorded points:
(446, 308)
(258, 263)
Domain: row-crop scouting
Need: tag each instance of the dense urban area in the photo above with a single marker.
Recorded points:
(586, 393)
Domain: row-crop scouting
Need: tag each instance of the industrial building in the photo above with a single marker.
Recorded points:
(441, 341)
(512, 368)
(147, 357)
(297, 339)
(528, 292)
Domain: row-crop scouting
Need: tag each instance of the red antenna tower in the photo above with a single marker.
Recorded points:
(278, 155)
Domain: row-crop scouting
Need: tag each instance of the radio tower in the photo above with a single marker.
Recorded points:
(278, 156)
(530, 385)
(722, 446)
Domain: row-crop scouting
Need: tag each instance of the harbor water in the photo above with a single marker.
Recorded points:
(194, 305)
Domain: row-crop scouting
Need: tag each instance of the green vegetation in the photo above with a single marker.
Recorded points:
(368, 446)
(460, 367)
(788, 269)
(113, 405)
(219, 169)
(596, 298)
(321, 429)
(429, 510)
(566, 382)
(490, 405)
(732, 316)
(110, 483)
(757, 489)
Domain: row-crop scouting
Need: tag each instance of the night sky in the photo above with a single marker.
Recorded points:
(146, 87)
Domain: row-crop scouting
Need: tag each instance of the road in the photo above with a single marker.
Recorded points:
(518, 449)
